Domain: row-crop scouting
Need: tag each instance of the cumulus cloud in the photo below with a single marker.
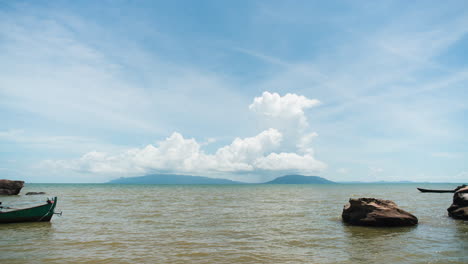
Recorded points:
(288, 107)
(304, 144)
(177, 154)
(242, 153)
(287, 114)
(290, 161)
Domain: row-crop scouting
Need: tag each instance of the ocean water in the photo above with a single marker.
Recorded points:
(230, 224)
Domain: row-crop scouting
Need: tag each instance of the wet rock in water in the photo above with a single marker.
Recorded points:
(8, 187)
(35, 193)
(376, 212)
(459, 207)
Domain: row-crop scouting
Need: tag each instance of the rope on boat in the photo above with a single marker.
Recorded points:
(40, 219)
(47, 212)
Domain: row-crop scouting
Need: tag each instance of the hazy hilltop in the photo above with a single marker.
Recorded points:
(188, 179)
(299, 179)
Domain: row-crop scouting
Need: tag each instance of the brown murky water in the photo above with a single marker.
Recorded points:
(230, 224)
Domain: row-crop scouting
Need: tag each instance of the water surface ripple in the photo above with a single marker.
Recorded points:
(230, 224)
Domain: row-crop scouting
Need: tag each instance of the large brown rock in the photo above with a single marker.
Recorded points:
(376, 212)
(459, 207)
(8, 187)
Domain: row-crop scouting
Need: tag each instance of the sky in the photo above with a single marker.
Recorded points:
(245, 90)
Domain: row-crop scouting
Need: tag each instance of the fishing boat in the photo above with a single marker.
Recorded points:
(435, 191)
(40, 213)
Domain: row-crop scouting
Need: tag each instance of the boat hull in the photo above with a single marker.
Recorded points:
(41, 213)
(435, 191)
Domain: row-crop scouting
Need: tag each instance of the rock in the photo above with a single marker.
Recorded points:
(35, 193)
(459, 207)
(8, 187)
(376, 212)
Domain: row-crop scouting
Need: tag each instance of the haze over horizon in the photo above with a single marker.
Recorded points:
(242, 90)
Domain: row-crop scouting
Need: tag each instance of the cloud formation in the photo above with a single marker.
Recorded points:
(75, 79)
(288, 107)
(177, 154)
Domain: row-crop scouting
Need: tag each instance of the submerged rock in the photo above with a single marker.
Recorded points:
(376, 212)
(8, 187)
(35, 193)
(459, 207)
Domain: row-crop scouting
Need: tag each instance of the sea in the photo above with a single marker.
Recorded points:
(108, 223)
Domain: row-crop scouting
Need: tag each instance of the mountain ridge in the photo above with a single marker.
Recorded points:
(299, 179)
(189, 179)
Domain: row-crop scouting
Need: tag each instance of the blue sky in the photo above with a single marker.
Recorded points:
(245, 90)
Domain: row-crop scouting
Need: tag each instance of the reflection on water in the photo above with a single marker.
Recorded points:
(460, 233)
(17, 238)
(231, 224)
(383, 243)
(362, 232)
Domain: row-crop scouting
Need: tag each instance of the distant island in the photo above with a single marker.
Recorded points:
(299, 179)
(188, 179)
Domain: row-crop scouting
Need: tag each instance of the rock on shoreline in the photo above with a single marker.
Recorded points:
(8, 187)
(376, 212)
(459, 207)
(35, 193)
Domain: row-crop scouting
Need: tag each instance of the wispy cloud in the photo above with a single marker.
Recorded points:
(448, 155)
(50, 72)
(65, 144)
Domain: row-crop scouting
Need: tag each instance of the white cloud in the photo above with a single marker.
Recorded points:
(286, 113)
(290, 106)
(91, 81)
(242, 153)
(176, 154)
(305, 142)
(290, 162)
(181, 155)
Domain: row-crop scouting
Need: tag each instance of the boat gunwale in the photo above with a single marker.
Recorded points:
(21, 209)
(434, 190)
